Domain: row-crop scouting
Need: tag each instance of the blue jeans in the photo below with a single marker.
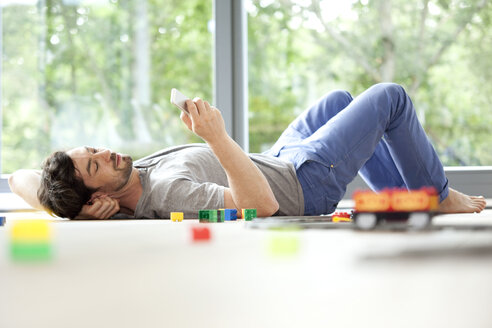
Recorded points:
(377, 135)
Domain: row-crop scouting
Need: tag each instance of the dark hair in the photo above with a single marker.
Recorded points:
(61, 191)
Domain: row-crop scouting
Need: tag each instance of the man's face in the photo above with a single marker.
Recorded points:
(101, 169)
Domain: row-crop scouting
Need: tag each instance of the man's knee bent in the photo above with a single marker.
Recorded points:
(388, 88)
(339, 95)
(336, 99)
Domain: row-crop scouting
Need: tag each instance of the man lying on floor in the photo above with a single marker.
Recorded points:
(305, 173)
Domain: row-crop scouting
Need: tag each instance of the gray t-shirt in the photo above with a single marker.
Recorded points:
(190, 178)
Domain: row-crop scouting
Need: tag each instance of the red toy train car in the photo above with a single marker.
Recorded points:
(396, 206)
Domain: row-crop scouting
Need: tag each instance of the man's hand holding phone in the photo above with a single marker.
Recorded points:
(179, 100)
(200, 117)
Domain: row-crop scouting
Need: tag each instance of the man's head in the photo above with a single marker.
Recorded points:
(71, 179)
(61, 191)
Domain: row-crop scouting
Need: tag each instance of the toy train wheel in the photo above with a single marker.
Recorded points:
(419, 220)
(366, 221)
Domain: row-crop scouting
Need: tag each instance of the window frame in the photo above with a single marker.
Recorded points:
(231, 68)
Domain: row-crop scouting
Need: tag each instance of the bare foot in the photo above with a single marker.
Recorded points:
(457, 202)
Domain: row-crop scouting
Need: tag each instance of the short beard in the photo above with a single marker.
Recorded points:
(127, 171)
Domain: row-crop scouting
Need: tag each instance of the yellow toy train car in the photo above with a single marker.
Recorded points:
(414, 208)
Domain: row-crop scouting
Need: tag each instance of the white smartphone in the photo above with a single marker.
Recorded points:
(179, 100)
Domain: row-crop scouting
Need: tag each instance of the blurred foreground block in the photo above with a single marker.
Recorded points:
(284, 244)
(200, 234)
(30, 240)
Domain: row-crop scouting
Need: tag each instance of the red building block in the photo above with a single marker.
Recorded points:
(341, 217)
(200, 233)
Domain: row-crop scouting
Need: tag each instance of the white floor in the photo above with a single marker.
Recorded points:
(148, 273)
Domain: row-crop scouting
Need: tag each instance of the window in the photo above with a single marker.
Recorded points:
(438, 50)
(99, 72)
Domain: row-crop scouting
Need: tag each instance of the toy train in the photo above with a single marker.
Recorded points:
(396, 207)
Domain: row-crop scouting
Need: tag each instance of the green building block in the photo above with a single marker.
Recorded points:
(249, 214)
(203, 215)
(31, 251)
(212, 215)
(220, 215)
(207, 215)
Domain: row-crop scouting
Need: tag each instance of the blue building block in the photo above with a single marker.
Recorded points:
(230, 214)
(2, 220)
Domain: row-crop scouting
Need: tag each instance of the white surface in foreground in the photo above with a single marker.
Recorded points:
(148, 274)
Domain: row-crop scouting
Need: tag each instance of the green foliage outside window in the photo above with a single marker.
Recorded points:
(99, 72)
(438, 50)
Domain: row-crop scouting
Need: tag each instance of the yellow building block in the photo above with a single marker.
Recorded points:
(31, 231)
(177, 216)
(340, 219)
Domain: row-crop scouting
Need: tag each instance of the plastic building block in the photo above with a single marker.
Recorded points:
(30, 251)
(342, 214)
(203, 215)
(220, 215)
(284, 244)
(341, 217)
(31, 231)
(31, 240)
(208, 215)
(248, 213)
(2, 220)
(200, 233)
(212, 216)
(229, 214)
(176, 216)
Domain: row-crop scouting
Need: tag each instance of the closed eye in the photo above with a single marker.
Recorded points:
(94, 150)
(89, 162)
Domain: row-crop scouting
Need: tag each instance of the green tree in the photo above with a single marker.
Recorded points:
(100, 74)
(436, 49)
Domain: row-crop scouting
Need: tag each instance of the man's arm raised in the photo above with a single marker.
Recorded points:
(248, 187)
